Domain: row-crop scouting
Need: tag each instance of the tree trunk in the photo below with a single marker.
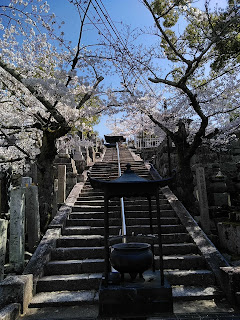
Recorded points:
(45, 162)
(185, 186)
(184, 183)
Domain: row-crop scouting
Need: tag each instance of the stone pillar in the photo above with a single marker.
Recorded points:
(93, 155)
(62, 171)
(55, 198)
(78, 154)
(32, 217)
(219, 190)
(84, 152)
(0, 197)
(17, 229)
(34, 173)
(88, 157)
(26, 181)
(63, 153)
(203, 200)
(3, 242)
(79, 160)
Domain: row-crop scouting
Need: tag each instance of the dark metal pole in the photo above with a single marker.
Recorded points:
(150, 214)
(151, 229)
(106, 245)
(168, 146)
(159, 239)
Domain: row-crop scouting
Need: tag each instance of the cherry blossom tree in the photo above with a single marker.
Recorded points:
(43, 91)
(178, 63)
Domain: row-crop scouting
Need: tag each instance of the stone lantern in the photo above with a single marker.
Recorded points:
(218, 190)
(150, 293)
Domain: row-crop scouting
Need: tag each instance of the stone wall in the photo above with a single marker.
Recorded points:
(227, 162)
(222, 184)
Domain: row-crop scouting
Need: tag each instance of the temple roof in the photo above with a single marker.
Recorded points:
(129, 184)
(114, 139)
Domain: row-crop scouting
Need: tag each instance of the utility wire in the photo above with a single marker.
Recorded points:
(120, 40)
(119, 37)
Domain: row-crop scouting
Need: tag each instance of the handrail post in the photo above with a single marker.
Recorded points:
(124, 229)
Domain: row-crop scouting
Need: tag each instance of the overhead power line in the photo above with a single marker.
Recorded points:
(119, 37)
(113, 31)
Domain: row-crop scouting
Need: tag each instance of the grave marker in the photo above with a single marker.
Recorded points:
(32, 217)
(17, 228)
(203, 200)
(3, 242)
(62, 179)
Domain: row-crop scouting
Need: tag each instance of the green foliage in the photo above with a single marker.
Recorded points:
(93, 102)
(165, 46)
(166, 9)
(228, 45)
(203, 27)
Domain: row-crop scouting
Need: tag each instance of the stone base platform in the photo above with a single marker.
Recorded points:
(138, 298)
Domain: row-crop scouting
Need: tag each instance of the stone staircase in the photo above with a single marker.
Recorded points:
(73, 274)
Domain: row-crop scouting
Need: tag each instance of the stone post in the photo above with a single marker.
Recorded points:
(32, 217)
(88, 158)
(55, 198)
(26, 181)
(219, 190)
(203, 200)
(0, 197)
(62, 172)
(63, 153)
(79, 160)
(34, 173)
(3, 242)
(93, 155)
(17, 229)
(84, 152)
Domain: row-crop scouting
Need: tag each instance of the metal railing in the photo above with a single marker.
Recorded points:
(123, 232)
(142, 143)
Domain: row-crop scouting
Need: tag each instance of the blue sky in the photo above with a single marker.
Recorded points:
(121, 12)
(131, 12)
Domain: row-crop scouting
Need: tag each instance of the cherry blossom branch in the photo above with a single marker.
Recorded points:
(13, 76)
(226, 111)
(12, 160)
(76, 58)
(9, 140)
(88, 95)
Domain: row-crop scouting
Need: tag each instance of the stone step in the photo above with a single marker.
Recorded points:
(69, 282)
(117, 221)
(91, 192)
(86, 197)
(98, 240)
(74, 272)
(189, 293)
(114, 230)
(181, 262)
(94, 252)
(190, 277)
(97, 207)
(64, 298)
(116, 214)
(113, 170)
(127, 203)
(91, 281)
(80, 240)
(90, 297)
(57, 267)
